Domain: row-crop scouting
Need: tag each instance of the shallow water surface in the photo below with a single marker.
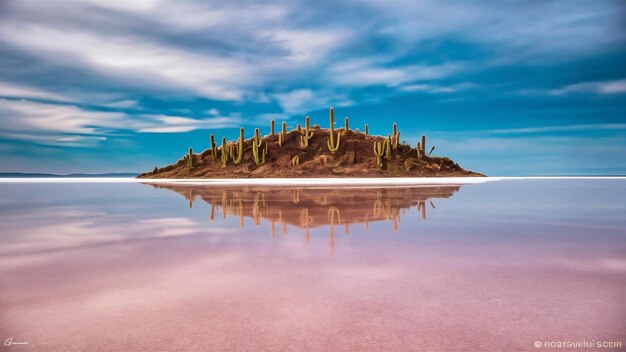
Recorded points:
(493, 266)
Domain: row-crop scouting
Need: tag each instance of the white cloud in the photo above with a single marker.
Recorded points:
(307, 46)
(302, 100)
(369, 72)
(176, 124)
(135, 59)
(12, 90)
(70, 125)
(565, 128)
(603, 87)
(435, 88)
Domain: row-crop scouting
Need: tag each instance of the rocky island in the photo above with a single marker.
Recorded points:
(312, 151)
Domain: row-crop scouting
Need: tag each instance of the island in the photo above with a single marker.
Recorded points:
(312, 151)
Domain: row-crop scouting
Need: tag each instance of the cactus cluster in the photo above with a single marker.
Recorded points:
(421, 148)
(233, 151)
(256, 146)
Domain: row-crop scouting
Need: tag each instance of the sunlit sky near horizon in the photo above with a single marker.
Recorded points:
(503, 88)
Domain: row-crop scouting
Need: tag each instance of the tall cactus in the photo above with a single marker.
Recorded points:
(224, 153)
(431, 150)
(332, 147)
(388, 147)
(347, 128)
(306, 134)
(283, 134)
(419, 151)
(189, 159)
(255, 153)
(213, 147)
(379, 151)
(423, 144)
(257, 136)
(395, 137)
(367, 130)
(272, 127)
(237, 160)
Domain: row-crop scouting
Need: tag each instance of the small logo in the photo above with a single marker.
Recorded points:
(9, 342)
(537, 344)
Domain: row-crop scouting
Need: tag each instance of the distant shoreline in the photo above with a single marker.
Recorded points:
(74, 175)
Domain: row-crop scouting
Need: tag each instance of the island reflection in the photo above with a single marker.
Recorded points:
(309, 208)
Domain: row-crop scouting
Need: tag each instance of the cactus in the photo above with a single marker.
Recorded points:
(431, 150)
(255, 153)
(306, 134)
(239, 157)
(295, 161)
(388, 147)
(395, 137)
(213, 147)
(304, 142)
(224, 152)
(257, 136)
(231, 150)
(367, 130)
(282, 135)
(189, 159)
(419, 151)
(332, 147)
(423, 144)
(379, 151)
(156, 169)
(299, 129)
(347, 128)
(272, 127)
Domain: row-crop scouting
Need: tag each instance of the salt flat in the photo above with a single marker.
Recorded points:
(396, 181)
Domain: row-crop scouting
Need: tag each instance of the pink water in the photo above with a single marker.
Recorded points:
(493, 267)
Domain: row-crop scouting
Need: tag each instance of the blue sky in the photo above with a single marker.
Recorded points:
(502, 87)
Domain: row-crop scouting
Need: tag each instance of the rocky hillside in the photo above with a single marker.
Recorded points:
(312, 151)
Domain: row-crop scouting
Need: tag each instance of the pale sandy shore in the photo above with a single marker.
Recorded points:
(399, 181)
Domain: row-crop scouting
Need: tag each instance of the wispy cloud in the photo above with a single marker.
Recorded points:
(602, 87)
(13, 90)
(71, 125)
(365, 73)
(175, 124)
(436, 88)
(553, 129)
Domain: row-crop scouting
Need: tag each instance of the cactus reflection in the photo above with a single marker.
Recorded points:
(309, 208)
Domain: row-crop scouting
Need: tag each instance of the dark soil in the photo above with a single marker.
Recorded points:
(355, 158)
